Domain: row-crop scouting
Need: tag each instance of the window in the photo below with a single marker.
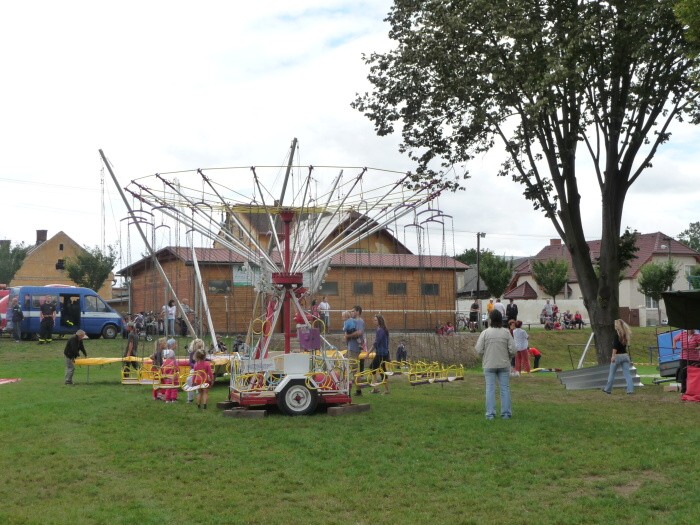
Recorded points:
(60, 247)
(60, 264)
(430, 289)
(329, 288)
(95, 304)
(223, 286)
(38, 300)
(650, 303)
(396, 288)
(362, 288)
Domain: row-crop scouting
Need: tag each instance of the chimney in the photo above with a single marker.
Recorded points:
(40, 236)
(555, 242)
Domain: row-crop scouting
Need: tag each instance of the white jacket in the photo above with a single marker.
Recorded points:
(496, 347)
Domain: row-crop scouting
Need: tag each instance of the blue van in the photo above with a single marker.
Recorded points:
(76, 308)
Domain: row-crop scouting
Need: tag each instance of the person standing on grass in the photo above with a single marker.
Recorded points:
(690, 354)
(74, 346)
(522, 358)
(47, 314)
(512, 311)
(381, 352)
(132, 344)
(195, 345)
(157, 363)
(496, 348)
(324, 310)
(620, 357)
(202, 375)
(16, 315)
(356, 340)
(169, 375)
(169, 312)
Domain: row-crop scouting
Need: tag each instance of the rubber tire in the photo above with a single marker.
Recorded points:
(296, 399)
(110, 331)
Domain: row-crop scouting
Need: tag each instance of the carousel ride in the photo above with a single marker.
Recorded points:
(308, 215)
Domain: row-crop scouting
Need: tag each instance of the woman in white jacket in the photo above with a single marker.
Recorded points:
(496, 348)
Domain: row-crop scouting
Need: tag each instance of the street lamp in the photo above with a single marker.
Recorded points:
(479, 235)
(667, 246)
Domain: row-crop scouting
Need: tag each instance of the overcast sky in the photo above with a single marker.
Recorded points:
(170, 85)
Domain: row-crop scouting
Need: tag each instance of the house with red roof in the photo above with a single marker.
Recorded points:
(634, 307)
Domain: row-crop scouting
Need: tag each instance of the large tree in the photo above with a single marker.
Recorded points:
(11, 258)
(547, 79)
(91, 267)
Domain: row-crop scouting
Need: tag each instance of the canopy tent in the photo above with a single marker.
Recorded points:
(683, 308)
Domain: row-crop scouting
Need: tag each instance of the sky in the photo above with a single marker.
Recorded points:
(163, 86)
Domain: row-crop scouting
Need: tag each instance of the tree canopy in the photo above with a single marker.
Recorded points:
(551, 275)
(91, 268)
(691, 236)
(577, 92)
(655, 278)
(688, 12)
(11, 258)
(495, 272)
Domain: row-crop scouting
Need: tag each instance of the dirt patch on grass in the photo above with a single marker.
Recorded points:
(633, 485)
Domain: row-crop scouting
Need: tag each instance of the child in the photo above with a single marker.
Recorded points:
(195, 345)
(349, 325)
(534, 352)
(203, 374)
(401, 354)
(169, 375)
(157, 363)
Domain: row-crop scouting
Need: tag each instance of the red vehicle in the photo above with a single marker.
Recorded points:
(4, 301)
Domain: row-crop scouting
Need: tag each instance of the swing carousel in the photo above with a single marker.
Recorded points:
(310, 214)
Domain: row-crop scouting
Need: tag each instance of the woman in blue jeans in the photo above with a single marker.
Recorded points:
(620, 357)
(496, 348)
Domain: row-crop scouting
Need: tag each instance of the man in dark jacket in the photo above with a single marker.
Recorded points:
(16, 315)
(74, 346)
(512, 311)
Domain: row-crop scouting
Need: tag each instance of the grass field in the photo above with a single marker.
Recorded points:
(101, 452)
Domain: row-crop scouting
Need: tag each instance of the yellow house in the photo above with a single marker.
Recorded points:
(44, 263)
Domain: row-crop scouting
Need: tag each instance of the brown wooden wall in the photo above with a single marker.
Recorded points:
(233, 310)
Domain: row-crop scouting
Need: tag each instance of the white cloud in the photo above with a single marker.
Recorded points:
(164, 86)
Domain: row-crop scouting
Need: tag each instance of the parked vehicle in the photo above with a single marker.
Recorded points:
(76, 308)
(4, 302)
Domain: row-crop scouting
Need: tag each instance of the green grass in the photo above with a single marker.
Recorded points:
(101, 452)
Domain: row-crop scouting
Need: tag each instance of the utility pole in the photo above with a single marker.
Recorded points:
(479, 235)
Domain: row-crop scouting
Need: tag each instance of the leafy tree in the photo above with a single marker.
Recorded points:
(91, 267)
(688, 12)
(691, 236)
(626, 253)
(551, 275)
(495, 272)
(546, 79)
(11, 259)
(656, 278)
(469, 256)
(694, 277)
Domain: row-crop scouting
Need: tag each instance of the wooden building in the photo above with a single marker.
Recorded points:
(413, 292)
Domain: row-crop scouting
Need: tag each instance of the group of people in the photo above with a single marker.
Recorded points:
(354, 333)
(164, 361)
(499, 348)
